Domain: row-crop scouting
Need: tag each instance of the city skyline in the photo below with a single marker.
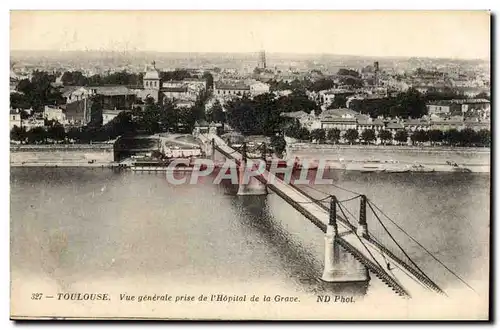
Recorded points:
(434, 34)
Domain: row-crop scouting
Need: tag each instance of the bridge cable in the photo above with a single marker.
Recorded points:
(320, 191)
(392, 237)
(383, 255)
(313, 200)
(352, 192)
(413, 239)
(349, 199)
(341, 207)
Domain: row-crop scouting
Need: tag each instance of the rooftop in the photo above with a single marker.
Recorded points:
(458, 101)
(232, 86)
(339, 112)
(112, 90)
(294, 114)
(174, 89)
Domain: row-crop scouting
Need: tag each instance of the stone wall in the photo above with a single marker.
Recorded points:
(61, 154)
(428, 155)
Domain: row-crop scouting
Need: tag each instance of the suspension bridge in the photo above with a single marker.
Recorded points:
(352, 250)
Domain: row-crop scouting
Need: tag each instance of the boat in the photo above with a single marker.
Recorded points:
(461, 169)
(161, 166)
(397, 170)
(421, 168)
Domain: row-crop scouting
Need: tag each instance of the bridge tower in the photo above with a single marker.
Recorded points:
(340, 266)
(248, 185)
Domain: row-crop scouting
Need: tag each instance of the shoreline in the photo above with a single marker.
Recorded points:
(340, 166)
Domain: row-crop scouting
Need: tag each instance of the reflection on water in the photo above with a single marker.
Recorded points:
(76, 225)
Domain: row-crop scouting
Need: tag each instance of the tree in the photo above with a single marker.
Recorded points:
(452, 137)
(297, 101)
(18, 133)
(95, 112)
(339, 101)
(56, 132)
(482, 95)
(216, 113)
(209, 78)
(74, 78)
(368, 135)
(303, 134)
(74, 133)
(36, 134)
(348, 72)
(484, 137)
(278, 143)
(412, 104)
(333, 135)
(292, 130)
(351, 135)
(19, 101)
(186, 120)
(319, 135)
(435, 136)
(401, 136)
(39, 91)
(321, 84)
(242, 116)
(385, 136)
(419, 136)
(468, 137)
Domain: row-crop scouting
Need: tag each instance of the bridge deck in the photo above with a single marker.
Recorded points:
(402, 278)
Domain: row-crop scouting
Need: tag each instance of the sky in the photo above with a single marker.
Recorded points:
(444, 34)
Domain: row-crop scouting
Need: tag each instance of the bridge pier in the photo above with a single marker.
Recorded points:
(248, 185)
(340, 266)
(362, 229)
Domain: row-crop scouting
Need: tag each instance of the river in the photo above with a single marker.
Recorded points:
(72, 228)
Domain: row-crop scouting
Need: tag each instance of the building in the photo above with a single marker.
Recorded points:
(175, 92)
(258, 88)
(412, 125)
(54, 113)
(15, 118)
(394, 127)
(477, 124)
(221, 89)
(365, 123)
(151, 83)
(342, 119)
(457, 106)
(32, 123)
(262, 60)
(78, 113)
(109, 115)
(342, 124)
(455, 122)
(326, 97)
(76, 93)
(196, 83)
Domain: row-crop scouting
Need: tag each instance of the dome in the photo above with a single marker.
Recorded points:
(153, 74)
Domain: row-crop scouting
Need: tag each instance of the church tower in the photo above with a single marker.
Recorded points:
(151, 82)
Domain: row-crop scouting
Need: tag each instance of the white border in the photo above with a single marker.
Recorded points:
(189, 4)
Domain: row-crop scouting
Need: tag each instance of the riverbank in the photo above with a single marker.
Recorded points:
(393, 158)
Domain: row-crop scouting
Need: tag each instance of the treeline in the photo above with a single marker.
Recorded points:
(406, 104)
(36, 92)
(463, 138)
(261, 115)
(347, 78)
(155, 118)
(77, 78)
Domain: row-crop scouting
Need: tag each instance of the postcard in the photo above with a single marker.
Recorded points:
(250, 165)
